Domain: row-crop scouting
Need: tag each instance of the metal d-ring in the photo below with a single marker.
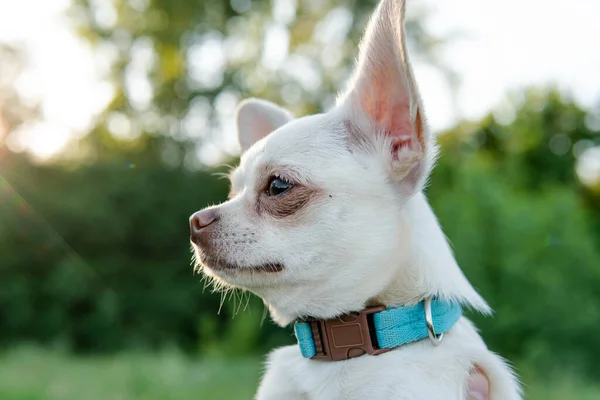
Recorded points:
(434, 338)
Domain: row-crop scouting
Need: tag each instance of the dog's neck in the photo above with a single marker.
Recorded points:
(434, 270)
(424, 266)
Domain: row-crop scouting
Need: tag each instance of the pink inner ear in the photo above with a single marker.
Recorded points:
(385, 100)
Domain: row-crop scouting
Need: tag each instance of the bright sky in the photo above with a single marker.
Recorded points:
(514, 43)
(509, 44)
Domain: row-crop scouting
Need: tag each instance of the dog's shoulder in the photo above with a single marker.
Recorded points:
(279, 380)
(282, 356)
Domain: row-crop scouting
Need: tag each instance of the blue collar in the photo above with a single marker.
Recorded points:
(375, 330)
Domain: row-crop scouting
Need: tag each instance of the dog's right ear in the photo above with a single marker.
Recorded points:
(256, 119)
(382, 104)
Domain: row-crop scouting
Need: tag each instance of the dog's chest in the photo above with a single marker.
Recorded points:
(414, 372)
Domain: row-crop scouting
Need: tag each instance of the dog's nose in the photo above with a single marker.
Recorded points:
(200, 220)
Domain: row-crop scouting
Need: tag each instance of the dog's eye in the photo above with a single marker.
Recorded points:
(278, 186)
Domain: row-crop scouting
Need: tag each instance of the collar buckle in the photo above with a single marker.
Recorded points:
(348, 336)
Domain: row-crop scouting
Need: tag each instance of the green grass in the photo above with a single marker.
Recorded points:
(34, 374)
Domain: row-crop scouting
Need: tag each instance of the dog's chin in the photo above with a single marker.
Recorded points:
(219, 266)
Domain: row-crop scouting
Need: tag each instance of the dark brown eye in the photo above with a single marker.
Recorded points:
(278, 186)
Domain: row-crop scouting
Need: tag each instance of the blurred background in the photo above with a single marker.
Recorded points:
(115, 116)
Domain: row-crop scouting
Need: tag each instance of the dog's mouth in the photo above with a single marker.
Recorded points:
(218, 264)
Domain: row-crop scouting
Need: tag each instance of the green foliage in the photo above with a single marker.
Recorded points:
(533, 257)
(513, 209)
(98, 258)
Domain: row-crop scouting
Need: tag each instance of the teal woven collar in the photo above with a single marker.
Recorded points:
(375, 330)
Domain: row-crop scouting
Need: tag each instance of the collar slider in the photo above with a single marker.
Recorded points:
(348, 336)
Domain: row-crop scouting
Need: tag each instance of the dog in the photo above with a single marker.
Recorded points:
(326, 222)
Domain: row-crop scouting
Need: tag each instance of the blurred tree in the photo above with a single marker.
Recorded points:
(180, 67)
(510, 200)
(14, 111)
(536, 140)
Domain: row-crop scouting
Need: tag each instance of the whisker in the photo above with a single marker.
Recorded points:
(264, 315)
(248, 297)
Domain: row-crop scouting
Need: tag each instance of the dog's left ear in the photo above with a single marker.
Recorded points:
(381, 106)
(257, 118)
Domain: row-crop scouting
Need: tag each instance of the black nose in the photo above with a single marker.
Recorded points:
(200, 220)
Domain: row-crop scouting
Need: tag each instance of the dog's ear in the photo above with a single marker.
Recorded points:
(382, 105)
(256, 119)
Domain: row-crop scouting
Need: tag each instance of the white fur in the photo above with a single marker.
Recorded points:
(369, 237)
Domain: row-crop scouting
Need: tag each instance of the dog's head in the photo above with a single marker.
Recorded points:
(315, 223)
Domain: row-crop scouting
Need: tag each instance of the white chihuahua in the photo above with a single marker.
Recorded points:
(327, 223)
